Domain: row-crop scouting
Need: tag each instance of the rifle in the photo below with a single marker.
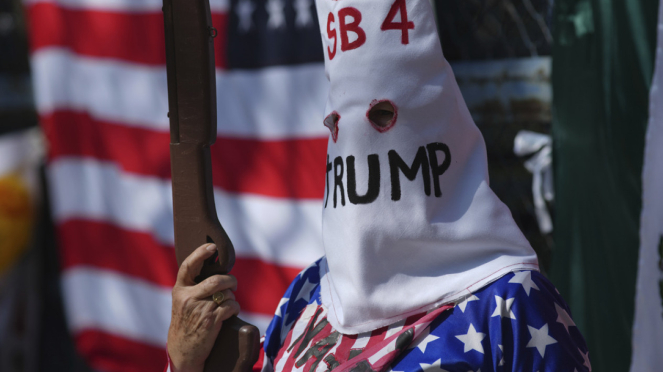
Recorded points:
(192, 112)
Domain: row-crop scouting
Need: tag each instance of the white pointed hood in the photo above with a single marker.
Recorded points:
(409, 221)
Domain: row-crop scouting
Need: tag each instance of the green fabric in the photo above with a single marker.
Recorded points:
(603, 61)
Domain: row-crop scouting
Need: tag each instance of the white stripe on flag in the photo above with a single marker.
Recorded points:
(121, 305)
(362, 340)
(273, 103)
(300, 327)
(252, 104)
(117, 304)
(394, 328)
(281, 231)
(111, 90)
(123, 5)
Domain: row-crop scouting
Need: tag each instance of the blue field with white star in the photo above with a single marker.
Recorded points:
(517, 323)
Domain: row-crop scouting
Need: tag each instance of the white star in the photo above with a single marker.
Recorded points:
(244, 11)
(281, 303)
(585, 356)
(303, 11)
(305, 291)
(540, 339)
(501, 363)
(564, 317)
(276, 14)
(425, 340)
(524, 278)
(503, 308)
(435, 366)
(472, 340)
(463, 305)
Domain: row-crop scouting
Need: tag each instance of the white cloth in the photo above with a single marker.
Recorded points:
(647, 336)
(389, 256)
(540, 165)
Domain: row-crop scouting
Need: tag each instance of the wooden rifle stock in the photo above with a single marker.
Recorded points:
(192, 112)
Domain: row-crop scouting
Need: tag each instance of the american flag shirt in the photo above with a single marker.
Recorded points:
(517, 323)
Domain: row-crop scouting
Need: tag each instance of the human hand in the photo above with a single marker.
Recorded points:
(196, 319)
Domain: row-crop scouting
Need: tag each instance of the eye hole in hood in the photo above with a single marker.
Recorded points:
(331, 122)
(382, 115)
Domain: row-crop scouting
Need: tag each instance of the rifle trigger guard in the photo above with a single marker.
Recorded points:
(213, 32)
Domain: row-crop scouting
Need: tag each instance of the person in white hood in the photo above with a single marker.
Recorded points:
(424, 267)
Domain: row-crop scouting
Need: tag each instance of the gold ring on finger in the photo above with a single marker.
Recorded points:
(218, 297)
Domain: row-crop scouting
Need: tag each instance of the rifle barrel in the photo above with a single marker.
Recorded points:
(192, 112)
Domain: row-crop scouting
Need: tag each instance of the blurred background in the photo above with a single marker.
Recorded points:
(86, 235)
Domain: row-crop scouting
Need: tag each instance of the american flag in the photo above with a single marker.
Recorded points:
(100, 85)
(517, 323)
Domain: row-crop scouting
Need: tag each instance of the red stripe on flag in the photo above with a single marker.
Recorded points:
(292, 168)
(377, 336)
(107, 352)
(343, 349)
(134, 149)
(132, 37)
(102, 245)
(136, 254)
(260, 284)
(286, 168)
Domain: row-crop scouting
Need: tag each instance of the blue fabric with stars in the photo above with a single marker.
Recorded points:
(517, 323)
(304, 290)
